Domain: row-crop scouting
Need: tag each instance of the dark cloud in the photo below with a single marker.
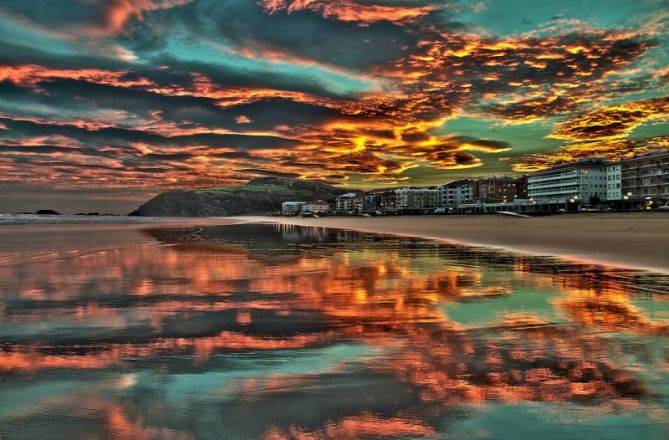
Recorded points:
(268, 173)
(307, 35)
(124, 137)
(172, 93)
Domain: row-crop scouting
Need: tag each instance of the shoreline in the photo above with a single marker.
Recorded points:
(638, 241)
(628, 240)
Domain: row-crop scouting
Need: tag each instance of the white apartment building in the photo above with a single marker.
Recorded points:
(457, 192)
(579, 181)
(316, 207)
(613, 182)
(291, 208)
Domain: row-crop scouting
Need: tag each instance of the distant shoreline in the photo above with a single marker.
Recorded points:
(630, 240)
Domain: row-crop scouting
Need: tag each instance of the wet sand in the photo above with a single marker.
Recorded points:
(630, 240)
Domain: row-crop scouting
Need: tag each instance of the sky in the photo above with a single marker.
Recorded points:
(106, 103)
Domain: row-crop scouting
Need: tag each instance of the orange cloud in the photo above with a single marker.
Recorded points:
(32, 74)
(603, 132)
(349, 10)
(362, 426)
(119, 12)
(612, 122)
(612, 149)
(382, 133)
(519, 79)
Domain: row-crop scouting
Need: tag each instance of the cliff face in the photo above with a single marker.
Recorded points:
(258, 196)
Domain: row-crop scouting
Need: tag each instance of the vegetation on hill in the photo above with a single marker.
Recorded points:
(258, 196)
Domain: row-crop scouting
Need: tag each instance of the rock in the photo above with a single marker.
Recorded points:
(47, 212)
(259, 196)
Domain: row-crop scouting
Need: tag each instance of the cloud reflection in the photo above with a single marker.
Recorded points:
(196, 294)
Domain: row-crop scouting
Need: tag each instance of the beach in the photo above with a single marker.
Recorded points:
(630, 240)
(202, 329)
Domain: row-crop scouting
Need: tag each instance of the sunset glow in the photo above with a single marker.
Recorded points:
(155, 94)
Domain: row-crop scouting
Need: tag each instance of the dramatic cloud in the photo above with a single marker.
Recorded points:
(609, 149)
(604, 132)
(95, 19)
(612, 122)
(349, 10)
(180, 93)
(118, 12)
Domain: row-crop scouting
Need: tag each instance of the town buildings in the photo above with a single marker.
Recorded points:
(633, 180)
(388, 201)
(457, 192)
(645, 175)
(349, 202)
(292, 208)
(371, 202)
(416, 199)
(613, 182)
(501, 189)
(316, 207)
(637, 182)
(521, 187)
(583, 181)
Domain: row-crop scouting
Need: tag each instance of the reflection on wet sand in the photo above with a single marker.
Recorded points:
(449, 325)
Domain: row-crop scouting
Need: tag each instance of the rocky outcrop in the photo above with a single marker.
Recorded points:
(258, 196)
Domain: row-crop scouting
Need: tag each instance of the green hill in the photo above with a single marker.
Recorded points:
(258, 196)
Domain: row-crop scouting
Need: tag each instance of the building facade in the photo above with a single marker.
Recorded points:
(521, 187)
(292, 208)
(645, 175)
(316, 207)
(371, 202)
(583, 181)
(501, 189)
(416, 199)
(613, 182)
(457, 192)
(350, 202)
(388, 201)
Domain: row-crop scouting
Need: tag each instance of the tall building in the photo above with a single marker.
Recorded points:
(580, 181)
(501, 189)
(291, 208)
(371, 202)
(416, 199)
(521, 187)
(457, 192)
(613, 182)
(350, 202)
(316, 207)
(645, 175)
(388, 201)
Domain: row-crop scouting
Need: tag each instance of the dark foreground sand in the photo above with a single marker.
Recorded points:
(631, 240)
